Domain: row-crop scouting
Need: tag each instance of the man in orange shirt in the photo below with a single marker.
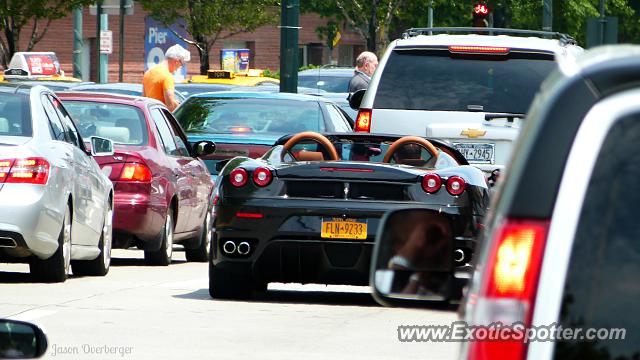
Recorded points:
(158, 81)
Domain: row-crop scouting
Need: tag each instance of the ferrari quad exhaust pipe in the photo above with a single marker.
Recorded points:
(229, 247)
(458, 255)
(244, 248)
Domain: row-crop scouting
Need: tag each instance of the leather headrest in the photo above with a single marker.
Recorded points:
(116, 134)
(4, 125)
(304, 155)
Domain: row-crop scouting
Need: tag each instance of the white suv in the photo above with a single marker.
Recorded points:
(470, 89)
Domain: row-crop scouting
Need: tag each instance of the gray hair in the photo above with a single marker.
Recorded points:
(178, 52)
(365, 57)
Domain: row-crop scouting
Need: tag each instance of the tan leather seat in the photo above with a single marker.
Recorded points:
(304, 155)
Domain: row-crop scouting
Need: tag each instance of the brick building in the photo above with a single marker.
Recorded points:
(264, 44)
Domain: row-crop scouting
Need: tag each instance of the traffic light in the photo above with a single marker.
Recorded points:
(480, 13)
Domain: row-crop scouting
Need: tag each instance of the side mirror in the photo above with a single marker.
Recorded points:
(21, 340)
(356, 98)
(101, 146)
(203, 147)
(413, 259)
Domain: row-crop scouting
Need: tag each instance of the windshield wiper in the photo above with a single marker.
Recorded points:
(508, 116)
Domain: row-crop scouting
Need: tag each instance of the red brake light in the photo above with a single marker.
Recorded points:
(363, 121)
(24, 171)
(135, 172)
(262, 176)
(238, 177)
(249, 215)
(240, 129)
(509, 284)
(431, 183)
(455, 185)
(5, 167)
(478, 49)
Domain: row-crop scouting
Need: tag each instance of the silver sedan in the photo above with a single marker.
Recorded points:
(55, 202)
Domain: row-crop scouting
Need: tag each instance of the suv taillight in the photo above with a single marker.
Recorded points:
(363, 121)
(24, 171)
(508, 285)
(135, 172)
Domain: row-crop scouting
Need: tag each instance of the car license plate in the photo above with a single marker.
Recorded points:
(483, 153)
(337, 228)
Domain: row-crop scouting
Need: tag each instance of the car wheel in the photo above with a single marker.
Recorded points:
(162, 256)
(100, 265)
(56, 268)
(228, 285)
(201, 253)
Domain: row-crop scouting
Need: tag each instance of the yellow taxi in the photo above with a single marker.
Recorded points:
(252, 77)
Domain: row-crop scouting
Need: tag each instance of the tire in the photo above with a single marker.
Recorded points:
(162, 256)
(56, 268)
(100, 265)
(228, 285)
(201, 253)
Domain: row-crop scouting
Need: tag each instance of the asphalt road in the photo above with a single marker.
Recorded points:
(140, 312)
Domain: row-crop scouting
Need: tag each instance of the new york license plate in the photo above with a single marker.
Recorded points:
(337, 228)
(477, 152)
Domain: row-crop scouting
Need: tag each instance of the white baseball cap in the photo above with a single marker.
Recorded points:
(179, 53)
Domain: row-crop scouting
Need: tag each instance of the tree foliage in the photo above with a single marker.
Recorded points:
(32, 15)
(208, 21)
(369, 18)
(570, 16)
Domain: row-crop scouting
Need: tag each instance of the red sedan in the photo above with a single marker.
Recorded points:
(162, 189)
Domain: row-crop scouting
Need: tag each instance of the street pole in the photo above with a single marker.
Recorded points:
(98, 26)
(547, 15)
(430, 14)
(121, 42)
(77, 42)
(289, 28)
(104, 58)
(603, 22)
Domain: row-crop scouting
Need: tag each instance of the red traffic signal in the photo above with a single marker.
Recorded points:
(480, 10)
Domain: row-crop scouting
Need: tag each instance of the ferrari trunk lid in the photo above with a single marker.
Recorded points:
(348, 171)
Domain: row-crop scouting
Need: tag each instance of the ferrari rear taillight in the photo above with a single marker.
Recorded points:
(262, 176)
(238, 177)
(363, 121)
(135, 172)
(508, 285)
(431, 183)
(24, 171)
(455, 185)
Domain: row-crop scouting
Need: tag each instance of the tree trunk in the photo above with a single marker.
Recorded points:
(203, 51)
(372, 38)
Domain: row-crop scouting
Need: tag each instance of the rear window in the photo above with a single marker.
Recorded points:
(334, 84)
(438, 80)
(123, 124)
(239, 115)
(601, 288)
(15, 115)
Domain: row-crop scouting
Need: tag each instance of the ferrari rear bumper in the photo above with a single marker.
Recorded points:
(282, 241)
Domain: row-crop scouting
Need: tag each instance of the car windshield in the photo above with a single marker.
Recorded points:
(249, 115)
(15, 115)
(123, 124)
(412, 154)
(437, 80)
(334, 84)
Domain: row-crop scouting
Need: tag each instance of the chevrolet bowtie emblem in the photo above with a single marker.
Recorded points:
(473, 133)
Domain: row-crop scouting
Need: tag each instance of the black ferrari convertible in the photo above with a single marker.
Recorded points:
(308, 210)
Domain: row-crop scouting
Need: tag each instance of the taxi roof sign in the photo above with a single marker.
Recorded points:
(33, 65)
